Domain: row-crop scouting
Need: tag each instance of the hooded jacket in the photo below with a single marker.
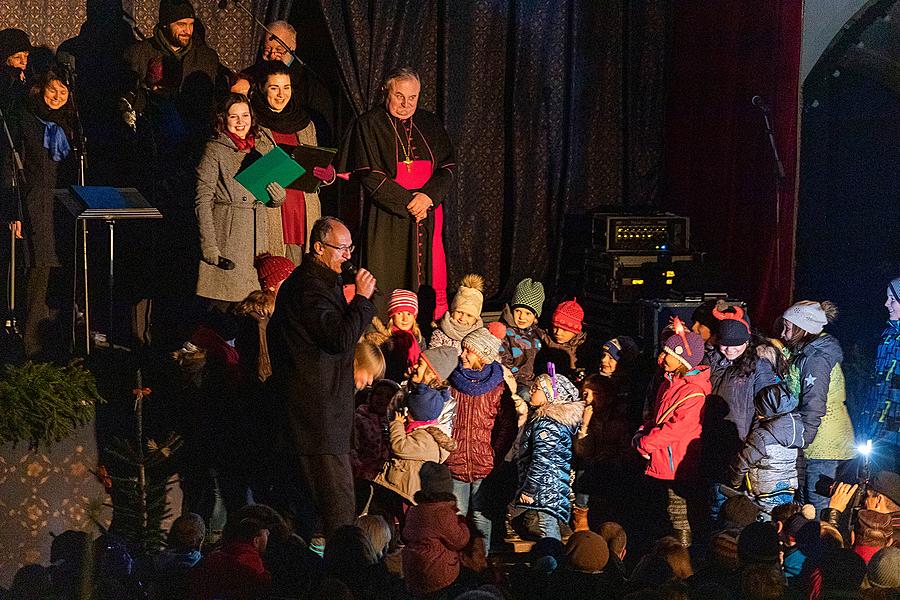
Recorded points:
(816, 378)
(433, 536)
(567, 357)
(545, 457)
(672, 435)
(519, 348)
(769, 458)
(409, 451)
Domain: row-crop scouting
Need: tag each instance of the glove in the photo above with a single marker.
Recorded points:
(276, 193)
(325, 174)
(210, 255)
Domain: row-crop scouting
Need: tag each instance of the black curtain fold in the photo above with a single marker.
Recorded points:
(553, 107)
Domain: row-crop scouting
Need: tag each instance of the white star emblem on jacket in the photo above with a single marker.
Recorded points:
(809, 381)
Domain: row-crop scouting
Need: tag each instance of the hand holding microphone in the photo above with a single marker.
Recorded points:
(365, 281)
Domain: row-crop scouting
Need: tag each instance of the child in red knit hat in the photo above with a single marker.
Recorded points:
(400, 339)
(562, 344)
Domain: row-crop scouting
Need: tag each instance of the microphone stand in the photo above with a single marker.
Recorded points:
(17, 181)
(272, 36)
(778, 171)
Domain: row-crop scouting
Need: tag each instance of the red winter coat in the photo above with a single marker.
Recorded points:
(672, 434)
(434, 535)
(484, 428)
(234, 572)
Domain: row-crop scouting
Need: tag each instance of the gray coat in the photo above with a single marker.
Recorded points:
(232, 224)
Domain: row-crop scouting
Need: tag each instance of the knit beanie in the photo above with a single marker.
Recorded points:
(883, 570)
(565, 390)
(497, 329)
(614, 348)
(272, 270)
(469, 296)
(442, 360)
(734, 329)
(484, 344)
(685, 345)
(703, 314)
(758, 543)
(894, 288)
(587, 552)
(403, 301)
(888, 484)
(808, 317)
(569, 316)
(174, 10)
(529, 294)
(425, 407)
(13, 41)
(435, 478)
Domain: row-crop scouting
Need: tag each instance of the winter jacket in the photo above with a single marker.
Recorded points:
(312, 336)
(609, 431)
(729, 412)
(370, 449)
(519, 348)
(433, 536)
(409, 451)
(564, 356)
(816, 378)
(172, 570)
(235, 572)
(881, 413)
(232, 223)
(769, 458)
(545, 458)
(485, 423)
(672, 435)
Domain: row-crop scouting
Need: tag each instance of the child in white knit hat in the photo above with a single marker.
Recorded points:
(464, 315)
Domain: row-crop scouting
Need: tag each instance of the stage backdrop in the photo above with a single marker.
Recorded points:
(554, 108)
(719, 163)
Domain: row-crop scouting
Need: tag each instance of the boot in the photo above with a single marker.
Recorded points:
(580, 519)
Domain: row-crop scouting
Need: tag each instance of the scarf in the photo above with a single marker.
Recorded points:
(291, 119)
(163, 44)
(57, 125)
(243, 145)
(454, 330)
(476, 383)
(405, 342)
(416, 424)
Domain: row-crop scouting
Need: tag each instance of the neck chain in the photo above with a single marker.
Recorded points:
(407, 150)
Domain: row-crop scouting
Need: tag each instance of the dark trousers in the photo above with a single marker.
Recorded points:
(329, 479)
(45, 323)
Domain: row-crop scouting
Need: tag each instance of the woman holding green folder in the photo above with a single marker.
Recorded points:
(233, 224)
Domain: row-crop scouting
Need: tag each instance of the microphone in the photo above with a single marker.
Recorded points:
(350, 269)
(65, 62)
(758, 102)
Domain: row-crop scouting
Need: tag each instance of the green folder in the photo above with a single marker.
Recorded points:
(276, 165)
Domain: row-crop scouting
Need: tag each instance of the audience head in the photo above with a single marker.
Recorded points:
(377, 531)
(187, 533)
(331, 243)
(251, 531)
(527, 301)
(384, 394)
(790, 533)
(272, 271)
(704, 323)
(587, 552)
(842, 569)
(278, 528)
(14, 48)
(31, 582)
(783, 512)
(368, 364)
(176, 19)
(567, 321)
(546, 548)
(436, 482)
(759, 543)
(239, 83)
(676, 555)
(401, 89)
(763, 582)
(274, 49)
(883, 493)
(621, 349)
(479, 349)
(872, 529)
(805, 320)
(681, 352)
(468, 301)
(236, 117)
(435, 366)
(348, 554)
(893, 297)
(883, 570)
(615, 537)
(67, 550)
(544, 390)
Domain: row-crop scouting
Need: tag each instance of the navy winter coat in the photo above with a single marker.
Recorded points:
(545, 458)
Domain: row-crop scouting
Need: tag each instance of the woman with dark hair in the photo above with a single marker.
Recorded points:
(278, 110)
(44, 131)
(737, 373)
(233, 224)
(815, 377)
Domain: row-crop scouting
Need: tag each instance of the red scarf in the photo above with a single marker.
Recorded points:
(416, 424)
(243, 145)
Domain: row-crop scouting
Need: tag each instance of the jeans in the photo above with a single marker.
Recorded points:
(814, 469)
(548, 525)
(466, 497)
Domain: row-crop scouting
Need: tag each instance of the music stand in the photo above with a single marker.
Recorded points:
(109, 204)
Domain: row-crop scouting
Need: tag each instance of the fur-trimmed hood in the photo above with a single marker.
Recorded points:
(443, 440)
(564, 413)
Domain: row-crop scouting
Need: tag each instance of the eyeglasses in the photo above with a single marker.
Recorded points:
(341, 249)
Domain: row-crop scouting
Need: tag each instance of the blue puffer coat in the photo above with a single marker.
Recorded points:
(545, 458)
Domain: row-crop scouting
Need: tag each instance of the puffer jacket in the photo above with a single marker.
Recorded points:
(433, 536)
(816, 378)
(671, 437)
(519, 348)
(769, 458)
(545, 458)
(484, 425)
(409, 451)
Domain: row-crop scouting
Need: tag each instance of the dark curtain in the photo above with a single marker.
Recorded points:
(719, 164)
(554, 108)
